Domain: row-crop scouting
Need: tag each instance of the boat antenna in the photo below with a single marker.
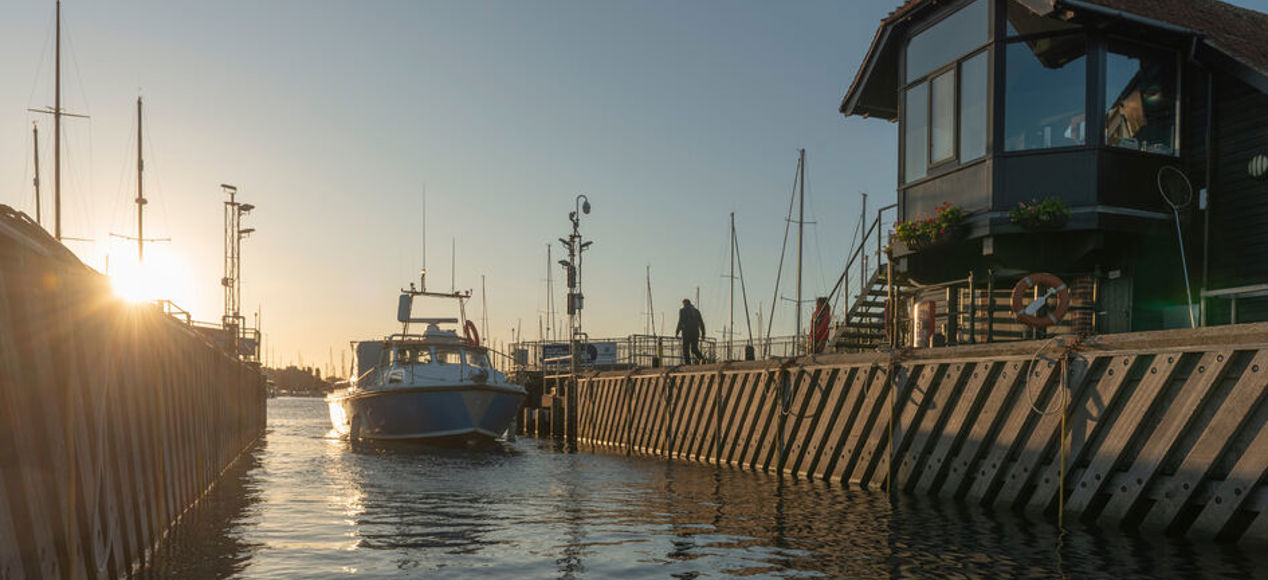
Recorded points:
(422, 273)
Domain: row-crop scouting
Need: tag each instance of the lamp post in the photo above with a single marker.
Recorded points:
(572, 272)
(232, 321)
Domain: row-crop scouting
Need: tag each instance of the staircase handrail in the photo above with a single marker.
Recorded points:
(859, 250)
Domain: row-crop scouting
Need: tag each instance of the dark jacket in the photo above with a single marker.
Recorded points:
(690, 323)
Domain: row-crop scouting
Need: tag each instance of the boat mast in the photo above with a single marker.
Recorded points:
(731, 323)
(550, 297)
(35, 129)
(801, 226)
(484, 309)
(651, 312)
(57, 128)
(140, 192)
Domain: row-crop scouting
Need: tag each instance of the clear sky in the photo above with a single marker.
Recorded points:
(333, 117)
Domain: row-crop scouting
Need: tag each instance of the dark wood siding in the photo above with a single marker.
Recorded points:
(1239, 203)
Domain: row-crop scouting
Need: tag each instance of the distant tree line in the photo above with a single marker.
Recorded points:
(300, 380)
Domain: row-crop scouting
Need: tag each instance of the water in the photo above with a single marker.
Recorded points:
(303, 505)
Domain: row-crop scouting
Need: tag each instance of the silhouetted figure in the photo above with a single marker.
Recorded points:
(691, 327)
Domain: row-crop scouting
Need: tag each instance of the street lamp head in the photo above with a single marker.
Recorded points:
(246, 208)
(244, 232)
(228, 187)
(585, 207)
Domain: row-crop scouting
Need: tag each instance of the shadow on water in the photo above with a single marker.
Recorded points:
(307, 506)
(203, 544)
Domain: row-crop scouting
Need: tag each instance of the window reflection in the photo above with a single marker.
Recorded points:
(1045, 84)
(1140, 99)
(973, 103)
(916, 132)
(954, 36)
(942, 108)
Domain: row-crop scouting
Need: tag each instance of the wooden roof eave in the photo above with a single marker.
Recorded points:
(864, 97)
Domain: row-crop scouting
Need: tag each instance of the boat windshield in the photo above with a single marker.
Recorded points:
(448, 356)
(412, 355)
(477, 359)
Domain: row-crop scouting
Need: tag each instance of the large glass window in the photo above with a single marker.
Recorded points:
(1140, 99)
(942, 111)
(973, 107)
(953, 37)
(1045, 93)
(916, 132)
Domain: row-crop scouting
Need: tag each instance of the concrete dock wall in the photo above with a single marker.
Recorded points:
(1160, 431)
(116, 417)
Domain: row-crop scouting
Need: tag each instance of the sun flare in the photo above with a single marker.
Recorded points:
(160, 277)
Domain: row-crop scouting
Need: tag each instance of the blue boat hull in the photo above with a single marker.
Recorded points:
(435, 414)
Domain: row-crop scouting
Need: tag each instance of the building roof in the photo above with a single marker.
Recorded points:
(1229, 37)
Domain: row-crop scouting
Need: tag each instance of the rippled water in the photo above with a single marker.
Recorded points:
(303, 505)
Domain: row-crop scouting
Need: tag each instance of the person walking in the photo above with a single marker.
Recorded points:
(691, 327)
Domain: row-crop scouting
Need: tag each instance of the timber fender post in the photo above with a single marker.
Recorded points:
(118, 417)
(1159, 431)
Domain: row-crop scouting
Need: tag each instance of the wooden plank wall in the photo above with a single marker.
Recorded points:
(1162, 431)
(116, 418)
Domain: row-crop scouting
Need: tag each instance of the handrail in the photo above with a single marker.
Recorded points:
(859, 251)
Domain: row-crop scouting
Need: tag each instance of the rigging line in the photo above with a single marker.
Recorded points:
(155, 179)
(783, 249)
(39, 68)
(748, 319)
(124, 174)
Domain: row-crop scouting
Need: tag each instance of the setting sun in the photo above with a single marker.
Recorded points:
(161, 277)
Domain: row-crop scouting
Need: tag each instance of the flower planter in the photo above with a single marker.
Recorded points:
(1037, 224)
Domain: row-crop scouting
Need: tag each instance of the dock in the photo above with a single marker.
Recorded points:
(118, 416)
(1161, 431)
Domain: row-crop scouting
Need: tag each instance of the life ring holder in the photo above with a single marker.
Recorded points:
(1055, 287)
(472, 335)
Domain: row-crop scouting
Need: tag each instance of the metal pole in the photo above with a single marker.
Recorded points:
(801, 224)
(862, 255)
(35, 128)
(731, 323)
(57, 129)
(140, 193)
(990, 306)
(972, 310)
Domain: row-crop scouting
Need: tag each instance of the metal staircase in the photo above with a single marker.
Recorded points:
(864, 324)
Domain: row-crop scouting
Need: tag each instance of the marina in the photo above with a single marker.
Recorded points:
(1040, 351)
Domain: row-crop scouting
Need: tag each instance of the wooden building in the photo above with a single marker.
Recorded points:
(1003, 102)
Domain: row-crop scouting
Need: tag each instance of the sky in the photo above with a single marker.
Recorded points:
(334, 117)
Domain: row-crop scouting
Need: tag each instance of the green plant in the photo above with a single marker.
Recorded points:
(1050, 211)
(923, 230)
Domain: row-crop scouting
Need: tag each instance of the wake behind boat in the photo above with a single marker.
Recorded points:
(437, 387)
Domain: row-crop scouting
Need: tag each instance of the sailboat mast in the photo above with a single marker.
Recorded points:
(140, 192)
(731, 324)
(801, 227)
(35, 130)
(550, 298)
(57, 128)
(651, 312)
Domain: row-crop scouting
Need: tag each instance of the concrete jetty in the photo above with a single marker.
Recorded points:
(1158, 431)
(117, 417)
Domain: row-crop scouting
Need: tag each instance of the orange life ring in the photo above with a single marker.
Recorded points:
(473, 336)
(1055, 287)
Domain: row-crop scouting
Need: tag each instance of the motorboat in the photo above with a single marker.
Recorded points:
(436, 386)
